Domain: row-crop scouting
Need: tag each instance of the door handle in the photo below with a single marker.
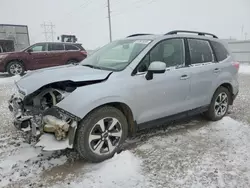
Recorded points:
(184, 77)
(216, 70)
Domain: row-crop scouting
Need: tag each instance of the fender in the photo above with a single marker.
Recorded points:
(224, 78)
(87, 98)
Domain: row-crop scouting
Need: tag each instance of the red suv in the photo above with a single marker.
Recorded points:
(41, 55)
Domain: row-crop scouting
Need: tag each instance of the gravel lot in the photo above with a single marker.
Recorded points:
(190, 153)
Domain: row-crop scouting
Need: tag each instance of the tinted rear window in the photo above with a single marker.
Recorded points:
(70, 47)
(220, 50)
(57, 47)
(200, 51)
(80, 47)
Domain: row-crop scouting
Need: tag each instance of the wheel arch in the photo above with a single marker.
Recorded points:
(72, 59)
(228, 86)
(230, 89)
(125, 109)
(19, 60)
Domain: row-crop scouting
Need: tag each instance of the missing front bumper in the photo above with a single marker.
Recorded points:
(36, 132)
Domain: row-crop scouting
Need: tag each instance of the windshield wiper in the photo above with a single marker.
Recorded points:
(92, 66)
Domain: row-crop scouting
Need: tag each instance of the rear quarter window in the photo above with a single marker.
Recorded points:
(57, 47)
(69, 47)
(80, 47)
(220, 50)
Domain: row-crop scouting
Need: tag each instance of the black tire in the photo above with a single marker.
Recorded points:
(15, 63)
(89, 123)
(73, 62)
(211, 113)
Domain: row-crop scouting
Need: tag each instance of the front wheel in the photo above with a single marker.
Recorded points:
(15, 68)
(219, 104)
(101, 133)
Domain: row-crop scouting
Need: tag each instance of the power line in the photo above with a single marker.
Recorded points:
(136, 7)
(48, 31)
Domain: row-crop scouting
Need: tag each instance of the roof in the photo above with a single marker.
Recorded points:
(174, 34)
(13, 25)
(60, 43)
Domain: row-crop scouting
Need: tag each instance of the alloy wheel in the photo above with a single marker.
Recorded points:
(221, 104)
(16, 69)
(105, 136)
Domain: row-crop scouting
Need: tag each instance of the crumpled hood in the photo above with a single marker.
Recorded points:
(34, 80)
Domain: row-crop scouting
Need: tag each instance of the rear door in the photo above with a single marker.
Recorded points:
(202, 72)
(57, 54)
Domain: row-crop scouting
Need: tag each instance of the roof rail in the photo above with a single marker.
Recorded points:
(196, 32)
(138, 34)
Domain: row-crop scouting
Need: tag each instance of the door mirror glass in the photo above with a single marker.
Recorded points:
(157, 67)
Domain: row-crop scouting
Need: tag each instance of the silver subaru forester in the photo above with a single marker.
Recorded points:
(130, 84)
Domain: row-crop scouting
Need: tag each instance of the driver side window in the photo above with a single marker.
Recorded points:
(171, 52)
(39, 48)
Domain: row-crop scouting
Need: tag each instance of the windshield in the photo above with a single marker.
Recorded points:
(116, 55)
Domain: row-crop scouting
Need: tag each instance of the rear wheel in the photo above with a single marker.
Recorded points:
(73, 62)
(101, 133)
(219, 104)
(15, 68)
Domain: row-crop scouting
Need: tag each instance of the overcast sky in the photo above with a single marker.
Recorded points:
(87, 19)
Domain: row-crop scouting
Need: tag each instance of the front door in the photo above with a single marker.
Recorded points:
(37, 56)
(166, 94)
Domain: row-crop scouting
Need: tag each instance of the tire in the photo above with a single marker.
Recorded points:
(73, 62)
(15, 68)
(212, 113)
(92, 142)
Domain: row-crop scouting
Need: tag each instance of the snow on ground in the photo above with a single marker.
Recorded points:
(9, 80)
(194, 153)
(122, 170)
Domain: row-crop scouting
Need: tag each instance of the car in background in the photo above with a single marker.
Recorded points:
(41, 55)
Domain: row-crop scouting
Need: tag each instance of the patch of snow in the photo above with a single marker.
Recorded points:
(49, 143)
(8, 80)
(145, 147)
(215, 154)
(244, 69)
(26, 162)
(121, 171)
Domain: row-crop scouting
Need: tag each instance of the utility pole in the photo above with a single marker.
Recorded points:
(242, 31)
(109, 17)
(48, 31)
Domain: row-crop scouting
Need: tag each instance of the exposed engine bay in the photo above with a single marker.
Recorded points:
(37, 113)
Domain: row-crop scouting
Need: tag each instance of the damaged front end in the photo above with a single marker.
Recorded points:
(37, 114)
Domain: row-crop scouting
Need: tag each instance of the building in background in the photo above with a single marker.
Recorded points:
(13, 37)
(240, 50)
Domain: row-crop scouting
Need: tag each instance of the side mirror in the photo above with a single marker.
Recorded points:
(29, 51)
(156, 67)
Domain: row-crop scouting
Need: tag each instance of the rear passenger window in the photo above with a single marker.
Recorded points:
(220, 51)
(70, 47)
(200, 51)
(57, 47)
